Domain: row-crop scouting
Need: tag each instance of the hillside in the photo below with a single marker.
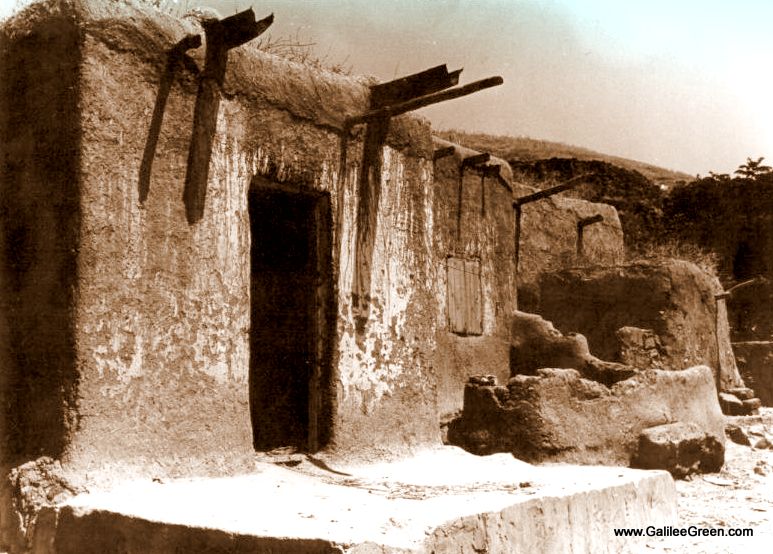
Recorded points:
(527, 149)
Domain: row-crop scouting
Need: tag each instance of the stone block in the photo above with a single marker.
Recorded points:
(751, 405)
(742, 393)
(680, 448)
(730, 404)
(737, 434)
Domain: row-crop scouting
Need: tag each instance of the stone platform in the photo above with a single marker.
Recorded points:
(439, 501)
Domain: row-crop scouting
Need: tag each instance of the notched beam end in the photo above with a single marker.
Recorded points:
(477, 159)
(453, 77)
(443, 152)
(585, 221)
(412, 86)
(242, 27)
(423, 101)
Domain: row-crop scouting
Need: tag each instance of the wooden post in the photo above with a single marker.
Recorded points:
(175, 58)
(221, 37)
(581, 225)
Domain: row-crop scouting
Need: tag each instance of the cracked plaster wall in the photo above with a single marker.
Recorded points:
(161, 309)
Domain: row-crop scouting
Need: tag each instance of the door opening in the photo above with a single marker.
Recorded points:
(290, 292)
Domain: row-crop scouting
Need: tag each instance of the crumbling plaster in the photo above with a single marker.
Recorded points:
(159, 312)
(161, 306)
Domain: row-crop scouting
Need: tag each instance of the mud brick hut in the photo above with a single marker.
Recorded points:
(189, 274)
(206, 250)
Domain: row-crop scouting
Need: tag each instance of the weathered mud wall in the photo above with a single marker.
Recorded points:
(480, 228)
(674, 299)
(158, 324)
(39, 215)
(556, 415)
(548, 239)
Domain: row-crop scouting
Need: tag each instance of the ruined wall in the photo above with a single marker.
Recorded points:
(549, 237)
(675, 299)
(558, 416)
(160, 319)
(482, 231)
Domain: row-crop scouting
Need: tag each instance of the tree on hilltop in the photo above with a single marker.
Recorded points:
(753, 168)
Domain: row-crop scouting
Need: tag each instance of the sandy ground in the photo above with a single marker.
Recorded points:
(740, 496)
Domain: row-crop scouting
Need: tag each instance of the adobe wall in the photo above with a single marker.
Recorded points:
(674, 299)
(39, 229)
(549, 236)
(548, 240)
(482, 231)
(158, 319)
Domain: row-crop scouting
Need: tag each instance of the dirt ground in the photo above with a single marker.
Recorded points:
(740, 496)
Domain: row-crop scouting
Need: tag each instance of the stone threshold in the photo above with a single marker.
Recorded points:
(441, 500)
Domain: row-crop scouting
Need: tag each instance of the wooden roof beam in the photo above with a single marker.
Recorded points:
(423, 101)
(412, 86)
(571, 183)
(443, 152)
(475, 159)
(585, 221)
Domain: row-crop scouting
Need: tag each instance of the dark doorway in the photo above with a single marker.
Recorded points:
(290, 292)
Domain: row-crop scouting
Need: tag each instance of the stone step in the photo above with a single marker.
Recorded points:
(733, 406)
(447, 501)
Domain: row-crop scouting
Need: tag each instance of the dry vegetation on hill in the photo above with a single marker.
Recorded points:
(528, 149)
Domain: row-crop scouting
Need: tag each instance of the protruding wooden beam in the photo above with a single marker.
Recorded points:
(585, 221)
(412, 86)
(222, 36)
(571, 183)
(493, 170)
(476, 159)
(756, 280)
(443, 152)
(581, 225)
(423, 101)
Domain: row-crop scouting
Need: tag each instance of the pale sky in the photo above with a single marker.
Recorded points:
(684, 84)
